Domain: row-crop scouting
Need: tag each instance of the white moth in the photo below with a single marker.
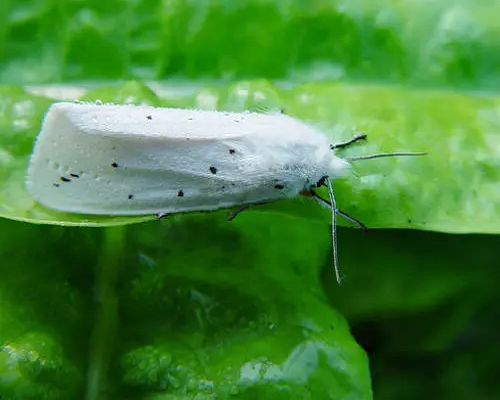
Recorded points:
(136, 160)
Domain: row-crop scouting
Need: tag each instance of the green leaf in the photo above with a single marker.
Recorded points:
(238, 323)
(193, 307)
(196, 308)
(417, 192)
(33, 367)
(445, 43)
(43, 318)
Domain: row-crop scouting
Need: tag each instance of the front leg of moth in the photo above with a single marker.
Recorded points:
(312, 193)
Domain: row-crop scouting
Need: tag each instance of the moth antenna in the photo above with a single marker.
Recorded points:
(334, 230)
(383, 155)
(341, 145)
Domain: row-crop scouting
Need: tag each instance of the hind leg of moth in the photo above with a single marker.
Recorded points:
(161, 215)
(355, 139)
(244, 207)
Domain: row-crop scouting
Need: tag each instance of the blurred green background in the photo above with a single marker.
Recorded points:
(194, 307)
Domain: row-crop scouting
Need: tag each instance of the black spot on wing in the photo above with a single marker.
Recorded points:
(114, 165)
(149, 117)
(232, 151)
(74, 176)
(279, 186)
(130, 196)
(180, 193)
(64, 179)
(213, 170)
(57, 184)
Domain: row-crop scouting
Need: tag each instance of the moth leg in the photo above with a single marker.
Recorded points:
(348, 142)
(352, 219)
(235, 213)
(242, 208)
(161, 215)
(355, 221)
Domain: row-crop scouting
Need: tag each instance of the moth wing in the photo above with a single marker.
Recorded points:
(150, 122)
(82, 165)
